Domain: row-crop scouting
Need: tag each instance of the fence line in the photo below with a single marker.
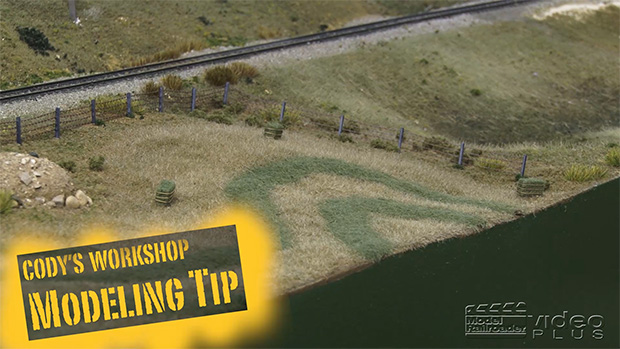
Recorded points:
(105, 109)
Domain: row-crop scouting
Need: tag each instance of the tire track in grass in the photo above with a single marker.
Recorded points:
(255, 186)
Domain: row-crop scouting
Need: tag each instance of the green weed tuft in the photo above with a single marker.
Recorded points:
(6, 201)
(612, 158)
(68, 165)
(490, 164)
(96, 163)
(583, 173)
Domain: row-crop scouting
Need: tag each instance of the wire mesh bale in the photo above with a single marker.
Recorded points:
(165, 192)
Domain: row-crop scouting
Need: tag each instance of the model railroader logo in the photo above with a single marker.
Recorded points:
(132, 282)
(510, 320)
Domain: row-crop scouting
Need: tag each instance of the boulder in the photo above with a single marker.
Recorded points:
(59, 200)
(72, 202)
(25, 178)
(83, 198)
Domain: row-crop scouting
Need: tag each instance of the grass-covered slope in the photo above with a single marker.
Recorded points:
(502, 82)
(117, 33)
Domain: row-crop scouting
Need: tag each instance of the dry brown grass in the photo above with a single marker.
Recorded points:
(203, 157)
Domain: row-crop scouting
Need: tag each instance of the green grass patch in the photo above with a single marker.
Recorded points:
(254, 186)
(349, 219)
(6, 201)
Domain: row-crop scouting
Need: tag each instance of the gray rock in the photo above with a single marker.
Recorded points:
(39, 200)
(32, 153)
(49, 204)
(24, 161)
(25, 178)
(72, 202)
(59, 200)
(37, 185)
(37, 174)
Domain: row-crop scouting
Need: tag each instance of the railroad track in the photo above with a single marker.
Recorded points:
(152, 69)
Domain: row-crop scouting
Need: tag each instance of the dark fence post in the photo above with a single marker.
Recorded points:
(129, 104)
(93, 115)
(57, 123)
(193, 99)
(226, 87)
(18, 130)
(161, 99)
(282, 111)
(523, 165)
(400, 138)
(461, 153)
(341, 125)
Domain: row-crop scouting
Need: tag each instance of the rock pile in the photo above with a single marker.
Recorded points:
(35, 181)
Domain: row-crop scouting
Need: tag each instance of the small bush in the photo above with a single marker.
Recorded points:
(582, 173)
(150, 88)
(6, 201)
(475, 92)
(612, 158)
(345, 138)
(197, 113)
(35, 39)
(243, 70)
(96, 163)
(381, 144)
(220, 117)
(490, 164)
(219, 75)
(68, 165)
(99, 122)
(172, 82)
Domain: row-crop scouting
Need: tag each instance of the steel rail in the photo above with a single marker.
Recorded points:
(223, 56)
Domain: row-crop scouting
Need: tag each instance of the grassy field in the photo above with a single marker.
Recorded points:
(346, 202)
(513, 81)
(115, 33)
(337, 205)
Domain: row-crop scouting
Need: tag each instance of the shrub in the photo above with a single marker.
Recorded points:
(490, 164)
(99, 122)
(220, 117)
(345, 138)
(582, 173)
(68, 165)
(96, 163)
(475, 92)
(219, 75)
(243, 70)
(35, 39)
(6, 201)
(150, 88)
(271, 114)
(172, 82)
(381, 144)
(612, 158)
(197, 113)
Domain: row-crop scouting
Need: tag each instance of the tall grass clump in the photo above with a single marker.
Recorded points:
(172, 82)
(583, 173)
(6, 201)
(243, 70)
(490, 164)
(219, 75)
(613, 157)
(150, 88)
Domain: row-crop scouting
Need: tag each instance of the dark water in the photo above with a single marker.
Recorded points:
(563, 262)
